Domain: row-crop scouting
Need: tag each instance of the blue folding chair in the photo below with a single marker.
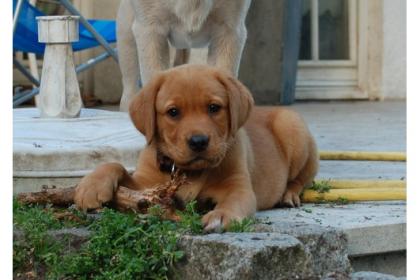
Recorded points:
(92, 33)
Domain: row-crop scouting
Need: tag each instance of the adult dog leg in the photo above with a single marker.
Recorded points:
(182, 56)
(225, 49)
(152, 50)
(127, 54)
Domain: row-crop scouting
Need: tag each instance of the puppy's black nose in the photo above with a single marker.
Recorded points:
(198, 143)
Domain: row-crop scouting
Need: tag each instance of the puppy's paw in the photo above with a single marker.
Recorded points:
(291, 199)
(217, 220)
(93, 192)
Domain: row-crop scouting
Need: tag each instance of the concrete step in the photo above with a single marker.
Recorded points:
(369, 275)
(375, 232)
(371, 227)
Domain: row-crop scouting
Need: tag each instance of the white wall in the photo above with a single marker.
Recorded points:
(394, 49)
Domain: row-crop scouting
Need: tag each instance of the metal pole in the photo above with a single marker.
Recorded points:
(19, 94)
(291, 43)
(89, 27)
(17, 13)
(314, 30)
(26, 97)
(25, 72)
(91, 62)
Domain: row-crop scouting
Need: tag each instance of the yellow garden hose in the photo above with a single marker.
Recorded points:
(355, 195)
(357, 190)
(363, 184)
(358, 155)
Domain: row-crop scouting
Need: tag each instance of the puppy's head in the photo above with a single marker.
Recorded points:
(191, 113)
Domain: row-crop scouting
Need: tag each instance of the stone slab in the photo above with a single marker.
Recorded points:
(61, 149)
(244, 256)
(370, 227)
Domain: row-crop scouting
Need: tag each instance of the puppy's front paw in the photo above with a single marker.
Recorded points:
(291, 199)
(217, 220)
(92, 192)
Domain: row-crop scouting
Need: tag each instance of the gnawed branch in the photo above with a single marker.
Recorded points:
(125, 199)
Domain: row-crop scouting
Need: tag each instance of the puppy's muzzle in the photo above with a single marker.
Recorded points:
(198, 143)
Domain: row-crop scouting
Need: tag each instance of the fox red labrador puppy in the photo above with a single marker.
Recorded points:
(202, 121)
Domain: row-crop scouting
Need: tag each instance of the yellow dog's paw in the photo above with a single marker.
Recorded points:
(217, 220)
(92, 193)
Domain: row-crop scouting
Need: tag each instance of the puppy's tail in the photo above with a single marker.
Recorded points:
(182, 56)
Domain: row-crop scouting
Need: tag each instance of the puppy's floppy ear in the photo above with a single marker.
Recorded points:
(240, 101)
(143, 110)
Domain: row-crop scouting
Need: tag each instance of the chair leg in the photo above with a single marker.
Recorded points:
(25, 72)
(25, 97)
(17, 13)
(93, 61)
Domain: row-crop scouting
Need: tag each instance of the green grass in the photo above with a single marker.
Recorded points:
(324, 187)
(342, 201)
(320, 187)
(36, 249)
(190, 219)
(246, 225)
(121, 245)
(125, 246)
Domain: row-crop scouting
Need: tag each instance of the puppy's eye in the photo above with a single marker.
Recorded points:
(173, 112)
(214, 108)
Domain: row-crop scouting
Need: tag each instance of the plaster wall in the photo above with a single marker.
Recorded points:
(394, 49)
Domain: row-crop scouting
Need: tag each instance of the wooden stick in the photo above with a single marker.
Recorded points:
(56, 196)
(124, 198)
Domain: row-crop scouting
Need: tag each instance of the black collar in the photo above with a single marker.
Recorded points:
(165, 163)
